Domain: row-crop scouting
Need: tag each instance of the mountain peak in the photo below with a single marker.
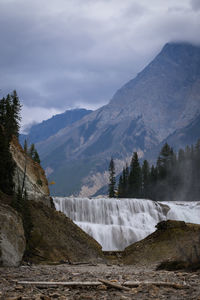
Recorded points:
(180, 50)
(178, 45)
(163, 98)
(161, 89)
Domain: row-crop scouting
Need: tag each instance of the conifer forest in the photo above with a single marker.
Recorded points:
(175, 176)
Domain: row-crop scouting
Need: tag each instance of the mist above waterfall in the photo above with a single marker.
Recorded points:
(115, 223)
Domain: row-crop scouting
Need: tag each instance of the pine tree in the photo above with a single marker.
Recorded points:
(9, 126)
(112, 180)
(36, 157)
(16, 118)
(31, 150)
(120, 187)
(135, 179)
(8, 122)
(2, 112)
(145, 179)
(165, 161)
(125, 175)
(7, 165)
(174, 177)
(153, 183)
(123, 183)
(10, 115)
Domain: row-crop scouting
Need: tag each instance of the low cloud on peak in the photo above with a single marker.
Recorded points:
(60, 54)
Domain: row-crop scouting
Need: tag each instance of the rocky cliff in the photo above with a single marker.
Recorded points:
(12, 240)
(53, 237)
(31, 172)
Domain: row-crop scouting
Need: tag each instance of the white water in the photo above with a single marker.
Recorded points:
(115, 224)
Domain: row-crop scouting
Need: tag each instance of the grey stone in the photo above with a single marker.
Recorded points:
(12, 240)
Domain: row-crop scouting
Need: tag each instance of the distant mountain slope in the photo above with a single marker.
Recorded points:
(42, 131)
(166, 92)
(185, 136)
(162, 99)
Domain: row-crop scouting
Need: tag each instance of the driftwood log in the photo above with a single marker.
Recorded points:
(125, 286)
(61, 283)
(157, 283)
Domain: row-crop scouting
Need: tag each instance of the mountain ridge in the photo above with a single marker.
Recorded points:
(162, 99)
(42, 131)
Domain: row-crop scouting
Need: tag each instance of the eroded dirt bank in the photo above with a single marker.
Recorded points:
(9, 289)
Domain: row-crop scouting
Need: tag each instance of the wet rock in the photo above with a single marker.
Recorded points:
(12, 237)
(54, 295)
(163, 225)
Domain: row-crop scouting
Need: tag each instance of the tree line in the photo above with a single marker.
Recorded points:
(9, 125)
(175, 176)
(10, 118)
(10, 108)
(31, 152)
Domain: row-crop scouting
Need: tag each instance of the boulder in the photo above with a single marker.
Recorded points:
(172, 241)
(164, 225)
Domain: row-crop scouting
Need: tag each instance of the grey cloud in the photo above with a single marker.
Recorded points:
(135, 10)
(68, 53)
(195, 4)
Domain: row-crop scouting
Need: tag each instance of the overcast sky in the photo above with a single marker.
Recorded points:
(61, 54)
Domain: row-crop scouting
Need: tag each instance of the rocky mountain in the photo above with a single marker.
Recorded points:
(164, 98)
(40, 132)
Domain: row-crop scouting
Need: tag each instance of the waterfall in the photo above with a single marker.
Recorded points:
(115, 223)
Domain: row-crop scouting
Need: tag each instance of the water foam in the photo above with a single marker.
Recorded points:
(115, 223)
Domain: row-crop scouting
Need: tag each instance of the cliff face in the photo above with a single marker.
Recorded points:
(35, 183)
(12, 240)
(53, 237)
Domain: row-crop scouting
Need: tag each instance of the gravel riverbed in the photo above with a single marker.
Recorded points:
(10, 289)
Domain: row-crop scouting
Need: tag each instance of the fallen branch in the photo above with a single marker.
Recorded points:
(114, 285)
(54, 284)
(79, 263)
(126, 285)
(159, 283)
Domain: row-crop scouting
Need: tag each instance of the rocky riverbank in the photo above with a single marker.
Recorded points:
(10, 289)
